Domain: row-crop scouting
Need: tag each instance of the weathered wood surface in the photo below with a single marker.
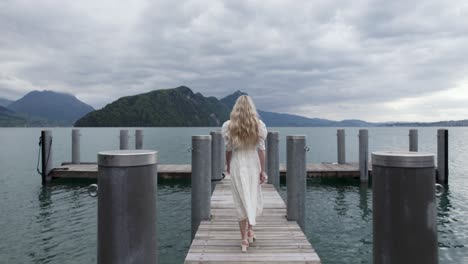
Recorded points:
(183, 171)
(278, 240)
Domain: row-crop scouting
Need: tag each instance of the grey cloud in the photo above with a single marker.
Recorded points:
(318, 55)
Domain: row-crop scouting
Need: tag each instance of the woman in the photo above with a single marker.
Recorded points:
(244, 135)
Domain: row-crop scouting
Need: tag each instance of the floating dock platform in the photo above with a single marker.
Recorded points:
(184, 171)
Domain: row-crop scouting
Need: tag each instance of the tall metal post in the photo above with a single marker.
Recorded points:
(47, 159)
(127, 206)
(216, 158)
(273, 158)
(341, 146)
(296, 178)
(442, 156)
(364, 155)
(413, 140)
(201, 180)
(138, 139)
(123, 139)
(404, 219)
(76, 146)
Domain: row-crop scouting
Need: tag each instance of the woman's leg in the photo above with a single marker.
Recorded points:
(243, 227)
(245, 241)
(250, 234)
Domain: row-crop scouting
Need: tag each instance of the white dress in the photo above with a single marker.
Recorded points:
(245, 176)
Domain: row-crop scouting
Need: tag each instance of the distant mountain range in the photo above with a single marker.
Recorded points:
(286, 120)
(181, 107)
(177, 107)
(451, 123)
(43, 108)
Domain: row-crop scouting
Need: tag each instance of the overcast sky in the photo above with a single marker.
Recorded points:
(374, 60)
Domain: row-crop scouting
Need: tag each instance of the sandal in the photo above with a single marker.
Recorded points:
(244, 245)
(251, 236)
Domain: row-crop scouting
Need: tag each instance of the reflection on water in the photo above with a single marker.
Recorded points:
(64, 230)
(174, 226)
(363, 201)
(41, 252)
(341, 205)
(341, 229)
(452, 232)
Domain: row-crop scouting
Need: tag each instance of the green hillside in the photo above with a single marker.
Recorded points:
(178, 107)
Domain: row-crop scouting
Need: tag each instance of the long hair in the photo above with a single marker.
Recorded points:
(243, 128)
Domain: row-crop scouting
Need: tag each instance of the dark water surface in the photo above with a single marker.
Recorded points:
(58, 224)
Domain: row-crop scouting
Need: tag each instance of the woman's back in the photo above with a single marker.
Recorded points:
(260, 142)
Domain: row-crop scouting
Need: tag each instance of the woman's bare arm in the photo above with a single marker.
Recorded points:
(261, 156)
(228, 161)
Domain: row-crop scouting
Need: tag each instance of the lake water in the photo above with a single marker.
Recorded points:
(58, 223)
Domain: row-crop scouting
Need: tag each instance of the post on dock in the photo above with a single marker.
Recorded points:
(341, 146)
(413, 140)
(364, 155)
(127, 206)
(216, 158)
(75, 146)
(404, 219)
(273, 158)
(296, 178)
(47, 159)
(201, 180)
(123, 139)
(442, 156)
(139, 139)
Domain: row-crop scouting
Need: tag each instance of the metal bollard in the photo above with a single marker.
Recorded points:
(341, 146)
(138, 139)
(296, 179)
(442, 156)
(127, 206)
(273, 158)
(123, 139)
(201, 180)
(216, 158)
(47, 159)
(75, 146)
(404, 218)
(364, 155)
(413, 140)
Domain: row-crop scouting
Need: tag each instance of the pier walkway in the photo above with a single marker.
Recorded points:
(278, 240)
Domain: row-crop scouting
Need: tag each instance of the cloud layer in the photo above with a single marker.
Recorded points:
(373, 60)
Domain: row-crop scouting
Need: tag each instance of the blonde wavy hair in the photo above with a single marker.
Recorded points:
(243, 128)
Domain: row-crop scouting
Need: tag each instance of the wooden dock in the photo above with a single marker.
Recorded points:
(183, 171)
(278, 240)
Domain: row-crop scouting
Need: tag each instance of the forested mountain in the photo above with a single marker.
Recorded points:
(176, 107)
